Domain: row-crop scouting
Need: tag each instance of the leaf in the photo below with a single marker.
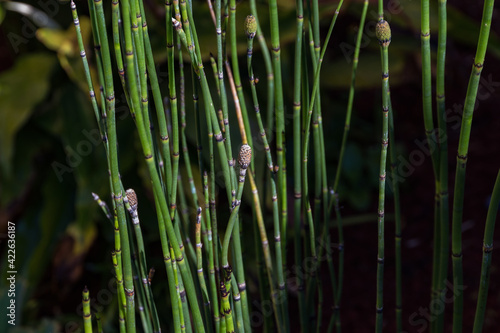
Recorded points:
(21, 89)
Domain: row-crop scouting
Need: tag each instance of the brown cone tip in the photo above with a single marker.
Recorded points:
(383, 33)
(245, 156)
(132, 197)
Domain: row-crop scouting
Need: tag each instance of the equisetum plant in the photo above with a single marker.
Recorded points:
(207, 280)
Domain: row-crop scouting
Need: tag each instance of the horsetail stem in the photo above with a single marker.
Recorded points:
(244, 158)
(297, 108)
(103, 206)
(226, 307)
(487, 254)
(211, 260)
(441, 138)
(87, 316)
(397, 216)
(280, 133)
(383, 33)
(463, 149)
(121, 294)
(199, 261)
(131, 204)
(438, 280)
(99, 322)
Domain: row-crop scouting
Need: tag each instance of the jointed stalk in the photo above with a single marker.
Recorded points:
(280, 149)
(441, 139)
(296, 157)
(487, 253)
(397, 216)
(383, 32)
(463, 149)
(87, 316)
(244, 159)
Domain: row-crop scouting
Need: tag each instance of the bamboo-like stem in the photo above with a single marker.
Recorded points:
(173, 105)
(222, 89)
(226, 308)
(167, 259)
(383, 32)
(104, 207)
(270, 82)
(297, 107)
(87, 316)
(117, 252)
(115, 17)
(119, 287)
(437, 283)
(237, 305)
(315, 47)
(347, 127)
(199, 263)
(280, 134)
(99, 322)
(130, 201)
(160, 112)
(397, 214)
(463, 149)
(88, 77)
(185, 323)
(489, 229)
(235, 67)
(244, 161)
(142, 306)
(441, 139)
(354, 69)
(211, 264)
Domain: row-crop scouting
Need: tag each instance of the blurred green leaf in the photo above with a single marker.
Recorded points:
(462, 29)
(2, 13)
(21, 89)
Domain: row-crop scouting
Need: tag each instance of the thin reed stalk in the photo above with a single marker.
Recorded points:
(462, 154)
(437, 283)
(441, 139)
(383, 32)
(487, 254)
(297, 166)
(87, 316)
(280, 133)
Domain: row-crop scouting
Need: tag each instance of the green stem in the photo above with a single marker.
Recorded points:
(441, 139)
(87, 316)
(384, 37)
(463, 149)
(487, 253)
